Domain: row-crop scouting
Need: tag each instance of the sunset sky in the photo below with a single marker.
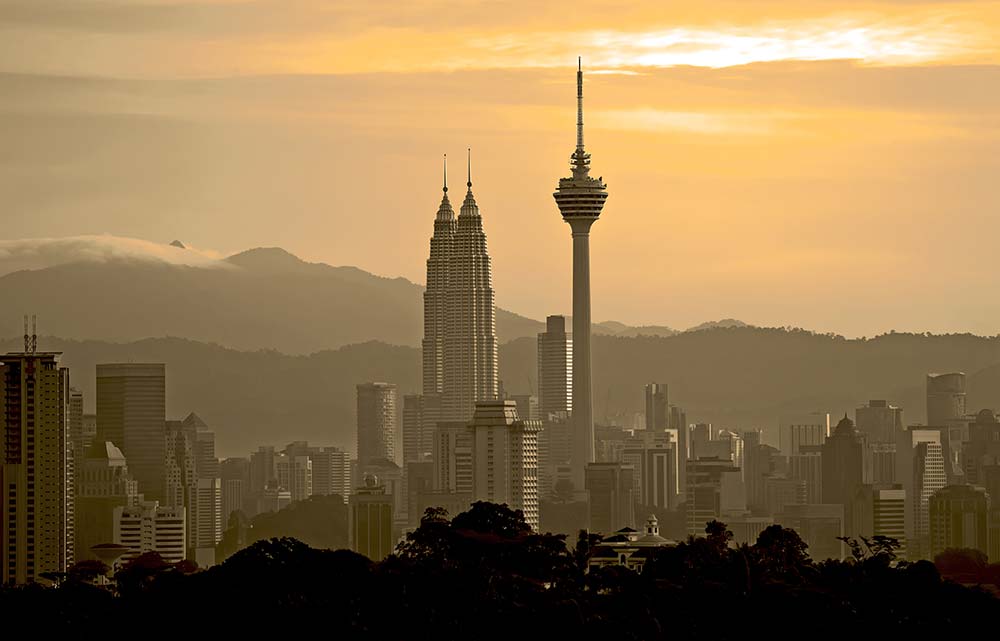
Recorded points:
(832, 165)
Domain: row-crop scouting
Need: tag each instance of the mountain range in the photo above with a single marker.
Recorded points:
(261, 298)
(268, 348)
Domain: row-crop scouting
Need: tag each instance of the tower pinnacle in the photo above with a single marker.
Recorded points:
(469, 184)
(445, 190)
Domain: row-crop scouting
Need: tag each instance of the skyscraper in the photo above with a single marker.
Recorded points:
(555, 368)
(131, 413)
(958, 517)
(421, 413)
(879, 421)
(580, 199)
(235, 476)
(103, 484)
(610, 487)
(470, 347)
(376, 422)
(436, 294)
(505, 458)
(36, 499)
(370, 520)
(945, 398)
(193, 483)
(843, 467)
(657, 407)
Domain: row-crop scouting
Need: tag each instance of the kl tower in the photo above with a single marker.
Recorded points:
(580, 199)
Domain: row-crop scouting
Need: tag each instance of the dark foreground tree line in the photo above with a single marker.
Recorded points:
(485, 575)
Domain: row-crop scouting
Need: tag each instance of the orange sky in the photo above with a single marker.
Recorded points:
(823, 164)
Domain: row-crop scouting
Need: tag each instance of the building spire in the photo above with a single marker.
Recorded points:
(469, 184)
(579, 104)
(581, 159)
(445, 212)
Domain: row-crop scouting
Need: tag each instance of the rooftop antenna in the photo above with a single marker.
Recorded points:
(27, 337)
(34, 334)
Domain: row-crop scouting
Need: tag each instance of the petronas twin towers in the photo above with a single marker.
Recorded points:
(460, 342)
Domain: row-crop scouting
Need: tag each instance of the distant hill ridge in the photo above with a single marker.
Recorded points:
(739, 377)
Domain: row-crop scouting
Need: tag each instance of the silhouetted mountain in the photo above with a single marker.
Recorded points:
(736, 377)
(724, 323)
(261, 298)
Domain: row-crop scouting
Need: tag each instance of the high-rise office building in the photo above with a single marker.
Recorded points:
(453, 453)
(880, 511)
(436, 310)
(262, 469)
(709, 489)
(505, 458)
(470, 347)
(81, 439)
(843, 467)
(797, 430)
(612, 497)
(36, 500)
(421, 413)
(555, 368)
(959, 518)
(945, 398)
(660, 482)
(131, 413)
(294, 470)
(801, 438)
(103, 484)
(920, 469)
(883, 463)
(370, 520)
(193, 483)
(331, 472)
(580, 199)
(376, 422)
(555, 447)
(235, 476)
(879, 421)
(982, 449)
(657, 407)
(150, 527)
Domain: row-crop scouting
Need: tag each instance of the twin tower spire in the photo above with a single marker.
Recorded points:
(445, 208)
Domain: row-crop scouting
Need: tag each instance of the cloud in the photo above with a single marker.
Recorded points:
(39, 253)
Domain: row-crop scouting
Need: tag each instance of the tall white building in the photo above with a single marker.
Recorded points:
(920, 469)
(36, 500)
(505, 458)
(150, 527)
(470, 346)
(555, 368)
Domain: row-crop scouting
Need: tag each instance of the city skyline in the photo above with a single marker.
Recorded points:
(776, 157)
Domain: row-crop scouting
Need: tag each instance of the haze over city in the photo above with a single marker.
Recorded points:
(819, 164)
(494, 320)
